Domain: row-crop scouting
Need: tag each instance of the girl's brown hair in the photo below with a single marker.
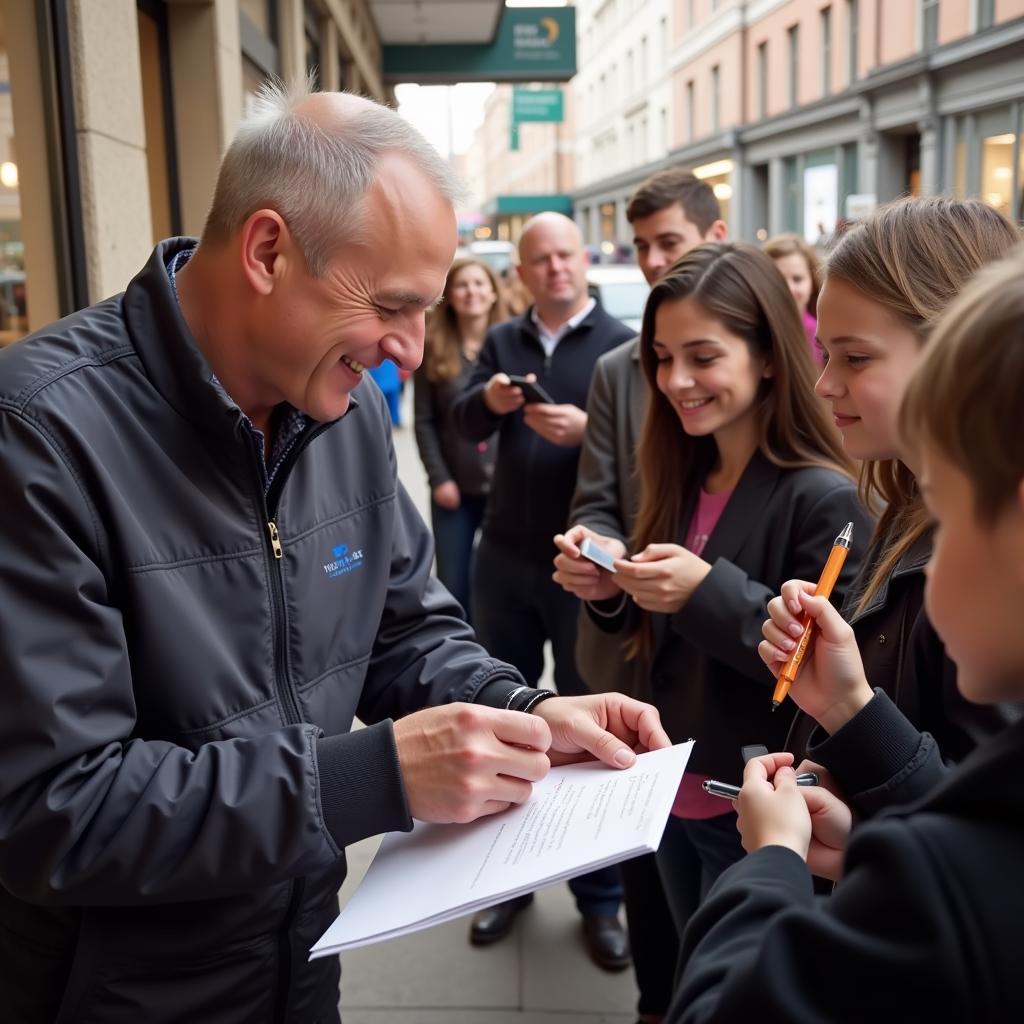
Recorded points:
(793, 245)
(739, 286)
(913, 257)
(442, 357)
(965, 396)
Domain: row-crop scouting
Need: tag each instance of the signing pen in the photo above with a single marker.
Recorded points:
(829, 575)
(729, 792)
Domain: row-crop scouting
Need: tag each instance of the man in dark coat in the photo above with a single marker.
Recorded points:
(210, 568)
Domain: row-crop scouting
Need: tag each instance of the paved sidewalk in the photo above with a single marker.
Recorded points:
(540, 974)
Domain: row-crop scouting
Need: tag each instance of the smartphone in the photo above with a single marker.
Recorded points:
(532, 391)
(597, 554)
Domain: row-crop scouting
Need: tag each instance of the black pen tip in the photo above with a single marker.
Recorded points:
(775, 704)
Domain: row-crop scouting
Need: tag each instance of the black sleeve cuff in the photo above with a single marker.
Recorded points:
(873, 747)
(509, 695)
(361, 790)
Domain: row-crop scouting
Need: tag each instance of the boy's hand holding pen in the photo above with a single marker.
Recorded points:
(774, 810)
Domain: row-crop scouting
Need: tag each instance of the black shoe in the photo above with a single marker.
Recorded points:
(496, 922)
(607, 942)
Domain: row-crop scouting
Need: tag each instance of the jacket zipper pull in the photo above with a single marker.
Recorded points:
(275, 539)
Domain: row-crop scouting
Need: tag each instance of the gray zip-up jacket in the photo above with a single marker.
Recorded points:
(181, 658)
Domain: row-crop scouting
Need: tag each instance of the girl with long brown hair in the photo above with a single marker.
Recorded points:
(742, 478)
(459, 471)
(886, 284)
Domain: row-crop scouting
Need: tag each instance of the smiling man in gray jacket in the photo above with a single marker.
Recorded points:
(209, 568)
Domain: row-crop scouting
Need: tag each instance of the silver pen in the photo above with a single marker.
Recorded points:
(729, 792)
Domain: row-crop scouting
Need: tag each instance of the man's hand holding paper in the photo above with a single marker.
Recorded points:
(463, 761)
(610, 727)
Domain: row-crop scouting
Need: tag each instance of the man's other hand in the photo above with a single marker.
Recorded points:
(462, 761)
(501, 396)
(608, 726)
(564, 425)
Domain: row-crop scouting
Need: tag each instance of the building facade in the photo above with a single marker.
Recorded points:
(114, 115)
(806, 113)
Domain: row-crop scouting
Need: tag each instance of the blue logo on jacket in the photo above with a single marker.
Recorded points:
(343, 561)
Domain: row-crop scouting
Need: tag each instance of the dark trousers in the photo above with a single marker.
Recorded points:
(693, 853)
(454, 533)
(517, 606)
(652, 934)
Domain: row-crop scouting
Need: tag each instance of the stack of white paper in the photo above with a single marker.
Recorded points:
(579, 818)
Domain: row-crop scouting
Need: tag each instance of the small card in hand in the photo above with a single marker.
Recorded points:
(597, 554)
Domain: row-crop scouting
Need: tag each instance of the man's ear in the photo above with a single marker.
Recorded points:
(717, 232)
(266, 247)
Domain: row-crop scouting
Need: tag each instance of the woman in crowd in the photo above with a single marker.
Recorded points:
(742, 478)
(925, 922)
(799, 265)
(886, 284)
(459, 471)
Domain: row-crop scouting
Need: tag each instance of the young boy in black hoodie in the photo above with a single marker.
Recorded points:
(925, 921)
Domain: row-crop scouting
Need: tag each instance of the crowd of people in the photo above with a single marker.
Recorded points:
(211, 568)
(723, 449)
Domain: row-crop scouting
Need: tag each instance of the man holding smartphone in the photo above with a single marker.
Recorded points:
(553, 346)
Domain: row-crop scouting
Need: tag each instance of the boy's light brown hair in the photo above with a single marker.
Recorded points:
(966, 398)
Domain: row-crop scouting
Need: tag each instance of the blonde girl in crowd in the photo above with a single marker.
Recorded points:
(742, 479)
(459, 471)
(924, 924)
(799, 264)
(886, 284)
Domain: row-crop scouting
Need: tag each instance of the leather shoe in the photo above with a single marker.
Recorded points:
(607, 942)
(495, 922)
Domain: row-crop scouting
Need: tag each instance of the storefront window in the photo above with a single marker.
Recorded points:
(997, 171)
(13, 313)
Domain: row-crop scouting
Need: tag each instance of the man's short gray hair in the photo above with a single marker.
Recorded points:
(314, 176)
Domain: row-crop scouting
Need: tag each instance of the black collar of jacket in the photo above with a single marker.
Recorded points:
(172, 359)
(913, 561)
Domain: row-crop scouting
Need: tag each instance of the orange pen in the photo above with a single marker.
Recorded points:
(829, 575)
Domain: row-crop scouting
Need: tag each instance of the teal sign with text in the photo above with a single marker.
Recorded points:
(532, 44)
(537, 105)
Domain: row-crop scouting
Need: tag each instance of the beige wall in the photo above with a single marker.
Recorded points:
(728, 56)
(111, 141)
(1007, 9)
(954, 20)
(900, 34)
(774, 30)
